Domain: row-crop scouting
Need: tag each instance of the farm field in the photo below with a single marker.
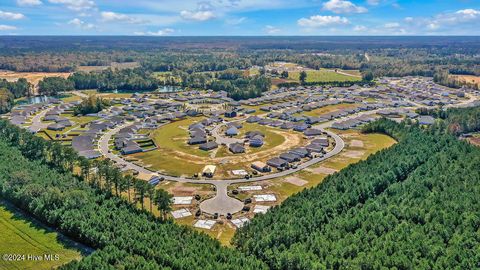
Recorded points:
(32, 77)
(322, 75)
(470, 79)
(113, 65)
(22, 235)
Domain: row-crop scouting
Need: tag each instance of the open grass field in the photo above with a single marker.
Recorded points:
(322, 75)
(70, 98)
(351, 72)
(174, 153)
(21, 235)
(113, 65)
(330, 109)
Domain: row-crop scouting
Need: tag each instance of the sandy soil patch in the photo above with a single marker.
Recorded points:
(468, 79)
(356, 143)
(354, 154)
(322, 170)
(32, 77)
(295, 181)
(179, 189)
(291, 141)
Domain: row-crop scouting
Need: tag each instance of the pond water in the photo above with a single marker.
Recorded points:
(162, 89)
(38, 99)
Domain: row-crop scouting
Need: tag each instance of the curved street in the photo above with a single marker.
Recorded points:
(221, 203)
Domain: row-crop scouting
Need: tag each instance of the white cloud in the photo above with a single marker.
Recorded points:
(162, 32)
(81, 24)
(76, 5)
(11, 16)
(342, 6)
(392, 25)
(360, 28)
(321, 21)
(235, 21)
(271, 30)
(409, 19)
(464, 16)
(4, 27)
(373, 2)
(201, 15)
(109, 16)
(29, 2)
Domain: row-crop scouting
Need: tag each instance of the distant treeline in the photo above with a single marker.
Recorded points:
(232, 81)
(332, 83)
(388, 56)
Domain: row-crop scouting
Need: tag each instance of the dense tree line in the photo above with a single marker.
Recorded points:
(19, 88)
(51, 86)
(411, 206)
(91, 104)
(388, 56)
(108, 80)
(455, 121)
(9, 91)
(7, 100)
(242, 88)
(84, 208)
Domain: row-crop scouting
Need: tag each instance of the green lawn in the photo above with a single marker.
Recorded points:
(171, 139)
(322, 76)
(174, 137)
(77, 122)
(329, 109)
(22, 235)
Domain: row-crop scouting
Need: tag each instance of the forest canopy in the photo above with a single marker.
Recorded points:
(410, 206)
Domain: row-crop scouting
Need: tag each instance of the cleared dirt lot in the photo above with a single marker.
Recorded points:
(471, 79)
(32, 77)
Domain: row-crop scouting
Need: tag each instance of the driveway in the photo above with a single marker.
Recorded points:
(221, 203)
(37, 123)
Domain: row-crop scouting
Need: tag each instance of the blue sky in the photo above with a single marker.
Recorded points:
(239, 17)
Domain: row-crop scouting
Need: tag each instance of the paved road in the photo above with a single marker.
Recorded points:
(104, 149)
(221, 203)
(220, 139)
(344, 73)
(37, 124)
(80, 94)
